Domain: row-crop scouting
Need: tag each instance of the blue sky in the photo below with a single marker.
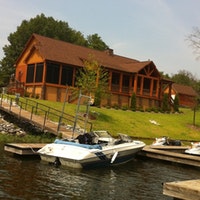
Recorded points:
(141, 29)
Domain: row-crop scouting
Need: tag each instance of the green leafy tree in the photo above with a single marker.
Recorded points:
(45, 26)
(95, 42)
(93, 79)
(4, 77)
(186, 78)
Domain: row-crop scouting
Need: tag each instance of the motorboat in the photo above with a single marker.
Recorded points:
(94, 149)
(166, 141)
(194, 149)
(90, 148)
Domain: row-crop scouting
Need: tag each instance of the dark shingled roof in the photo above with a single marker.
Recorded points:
(183, 89)
(68, 53)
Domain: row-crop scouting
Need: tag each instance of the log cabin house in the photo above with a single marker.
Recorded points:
(47, 66)
(186, 94)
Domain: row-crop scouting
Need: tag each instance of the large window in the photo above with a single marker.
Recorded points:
(39, 72)
(115, 81)
(67, 75)
(52, 75)
(30, 73)
(146, 86)
(125, 83)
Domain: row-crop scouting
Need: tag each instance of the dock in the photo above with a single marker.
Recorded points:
(23, 149)
(173, 154)
(37, 117)
(187, 190)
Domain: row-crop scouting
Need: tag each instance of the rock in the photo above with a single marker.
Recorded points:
(10, 128)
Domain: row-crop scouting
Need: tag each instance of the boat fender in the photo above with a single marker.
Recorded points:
(114, 157)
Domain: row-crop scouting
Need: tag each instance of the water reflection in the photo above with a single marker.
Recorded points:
(139, 179)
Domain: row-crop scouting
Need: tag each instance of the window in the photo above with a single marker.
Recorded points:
(52, 75)
(146, 86)
(39, 72)
(125, 83)
(30, 73)
(115, 82)
(67, 75)
(147, 83)
(126, 80)
(115, 78)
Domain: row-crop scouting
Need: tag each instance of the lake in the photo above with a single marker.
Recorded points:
(22, 179)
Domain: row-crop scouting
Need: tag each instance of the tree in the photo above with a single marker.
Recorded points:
(95, 42)
(45, 26)
(194, 40)
(184, 77)
(93, 79)
(4, 77)
(187, 78)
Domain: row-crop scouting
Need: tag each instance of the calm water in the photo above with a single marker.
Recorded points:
(139, 179)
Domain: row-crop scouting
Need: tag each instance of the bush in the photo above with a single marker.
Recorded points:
(176, 104)
(133, 102)
(165, 104)
(125, 107)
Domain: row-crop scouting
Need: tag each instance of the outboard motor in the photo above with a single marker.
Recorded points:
(57, 162)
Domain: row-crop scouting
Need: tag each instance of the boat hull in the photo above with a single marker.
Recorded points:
(78, 157)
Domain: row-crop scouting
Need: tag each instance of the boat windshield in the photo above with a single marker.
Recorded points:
(102, 134)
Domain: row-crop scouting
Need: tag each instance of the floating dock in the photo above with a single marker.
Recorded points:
(187, 190)
(23, 148)
(173, 154)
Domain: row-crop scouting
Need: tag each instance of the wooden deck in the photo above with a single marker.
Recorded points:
(188, 190)
(23, 148)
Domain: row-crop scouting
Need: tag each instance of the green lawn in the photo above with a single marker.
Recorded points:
(137, 124)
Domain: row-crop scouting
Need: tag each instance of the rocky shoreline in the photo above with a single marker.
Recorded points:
(8, 128)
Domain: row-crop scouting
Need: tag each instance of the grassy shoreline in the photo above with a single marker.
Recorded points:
(135, 124)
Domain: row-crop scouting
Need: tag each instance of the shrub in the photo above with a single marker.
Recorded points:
(176, 104)
(165, 104)
(133, 102)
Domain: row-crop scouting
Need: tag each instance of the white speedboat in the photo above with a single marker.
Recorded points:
(94, 149)
(195, 149)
